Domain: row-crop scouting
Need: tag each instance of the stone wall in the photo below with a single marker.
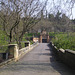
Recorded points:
(15, 54)
(66, 56)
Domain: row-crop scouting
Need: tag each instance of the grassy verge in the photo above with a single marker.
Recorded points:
(64, 40)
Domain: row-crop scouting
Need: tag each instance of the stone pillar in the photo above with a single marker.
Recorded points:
(16, 53)
(29, 45)
(40, 40)
(48, 39)
(13, 51)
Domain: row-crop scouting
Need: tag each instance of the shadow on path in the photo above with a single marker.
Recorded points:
(62, 68)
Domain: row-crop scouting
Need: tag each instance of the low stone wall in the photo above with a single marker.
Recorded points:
(54, 49)
(70, 58)
(15, 54)
(6, 62)
(25, 50)
(66, 56)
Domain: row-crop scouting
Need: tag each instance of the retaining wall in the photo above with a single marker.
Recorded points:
(66, 56)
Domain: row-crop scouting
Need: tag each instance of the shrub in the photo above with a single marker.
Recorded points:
(65, 41)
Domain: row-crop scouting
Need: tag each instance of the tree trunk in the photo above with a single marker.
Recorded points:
(20, 46)
(10, 37)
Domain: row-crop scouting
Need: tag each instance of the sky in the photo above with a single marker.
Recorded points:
(62, 5)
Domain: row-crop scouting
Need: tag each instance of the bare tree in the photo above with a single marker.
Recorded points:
(10, 16)
(19, 16)
(31, 10)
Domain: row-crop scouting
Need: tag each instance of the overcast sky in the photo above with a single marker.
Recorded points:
(62, 5)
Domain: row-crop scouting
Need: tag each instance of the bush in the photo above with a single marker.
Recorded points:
(65, 41)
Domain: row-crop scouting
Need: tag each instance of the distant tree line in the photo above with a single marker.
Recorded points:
(61, 23)
(56, 19)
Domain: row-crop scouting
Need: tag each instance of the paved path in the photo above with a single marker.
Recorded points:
(39, 61)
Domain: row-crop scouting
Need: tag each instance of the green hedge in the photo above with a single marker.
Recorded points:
(65, 41)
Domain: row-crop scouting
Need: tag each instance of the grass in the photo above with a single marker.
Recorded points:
(64, 40)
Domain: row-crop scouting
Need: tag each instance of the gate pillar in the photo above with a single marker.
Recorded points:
(40, 40)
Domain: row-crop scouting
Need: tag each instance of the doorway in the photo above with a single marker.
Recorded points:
(44, 40)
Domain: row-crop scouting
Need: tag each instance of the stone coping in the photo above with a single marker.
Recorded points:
(27, 41)
(12, 44)
(71, 51)
(62, 50)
